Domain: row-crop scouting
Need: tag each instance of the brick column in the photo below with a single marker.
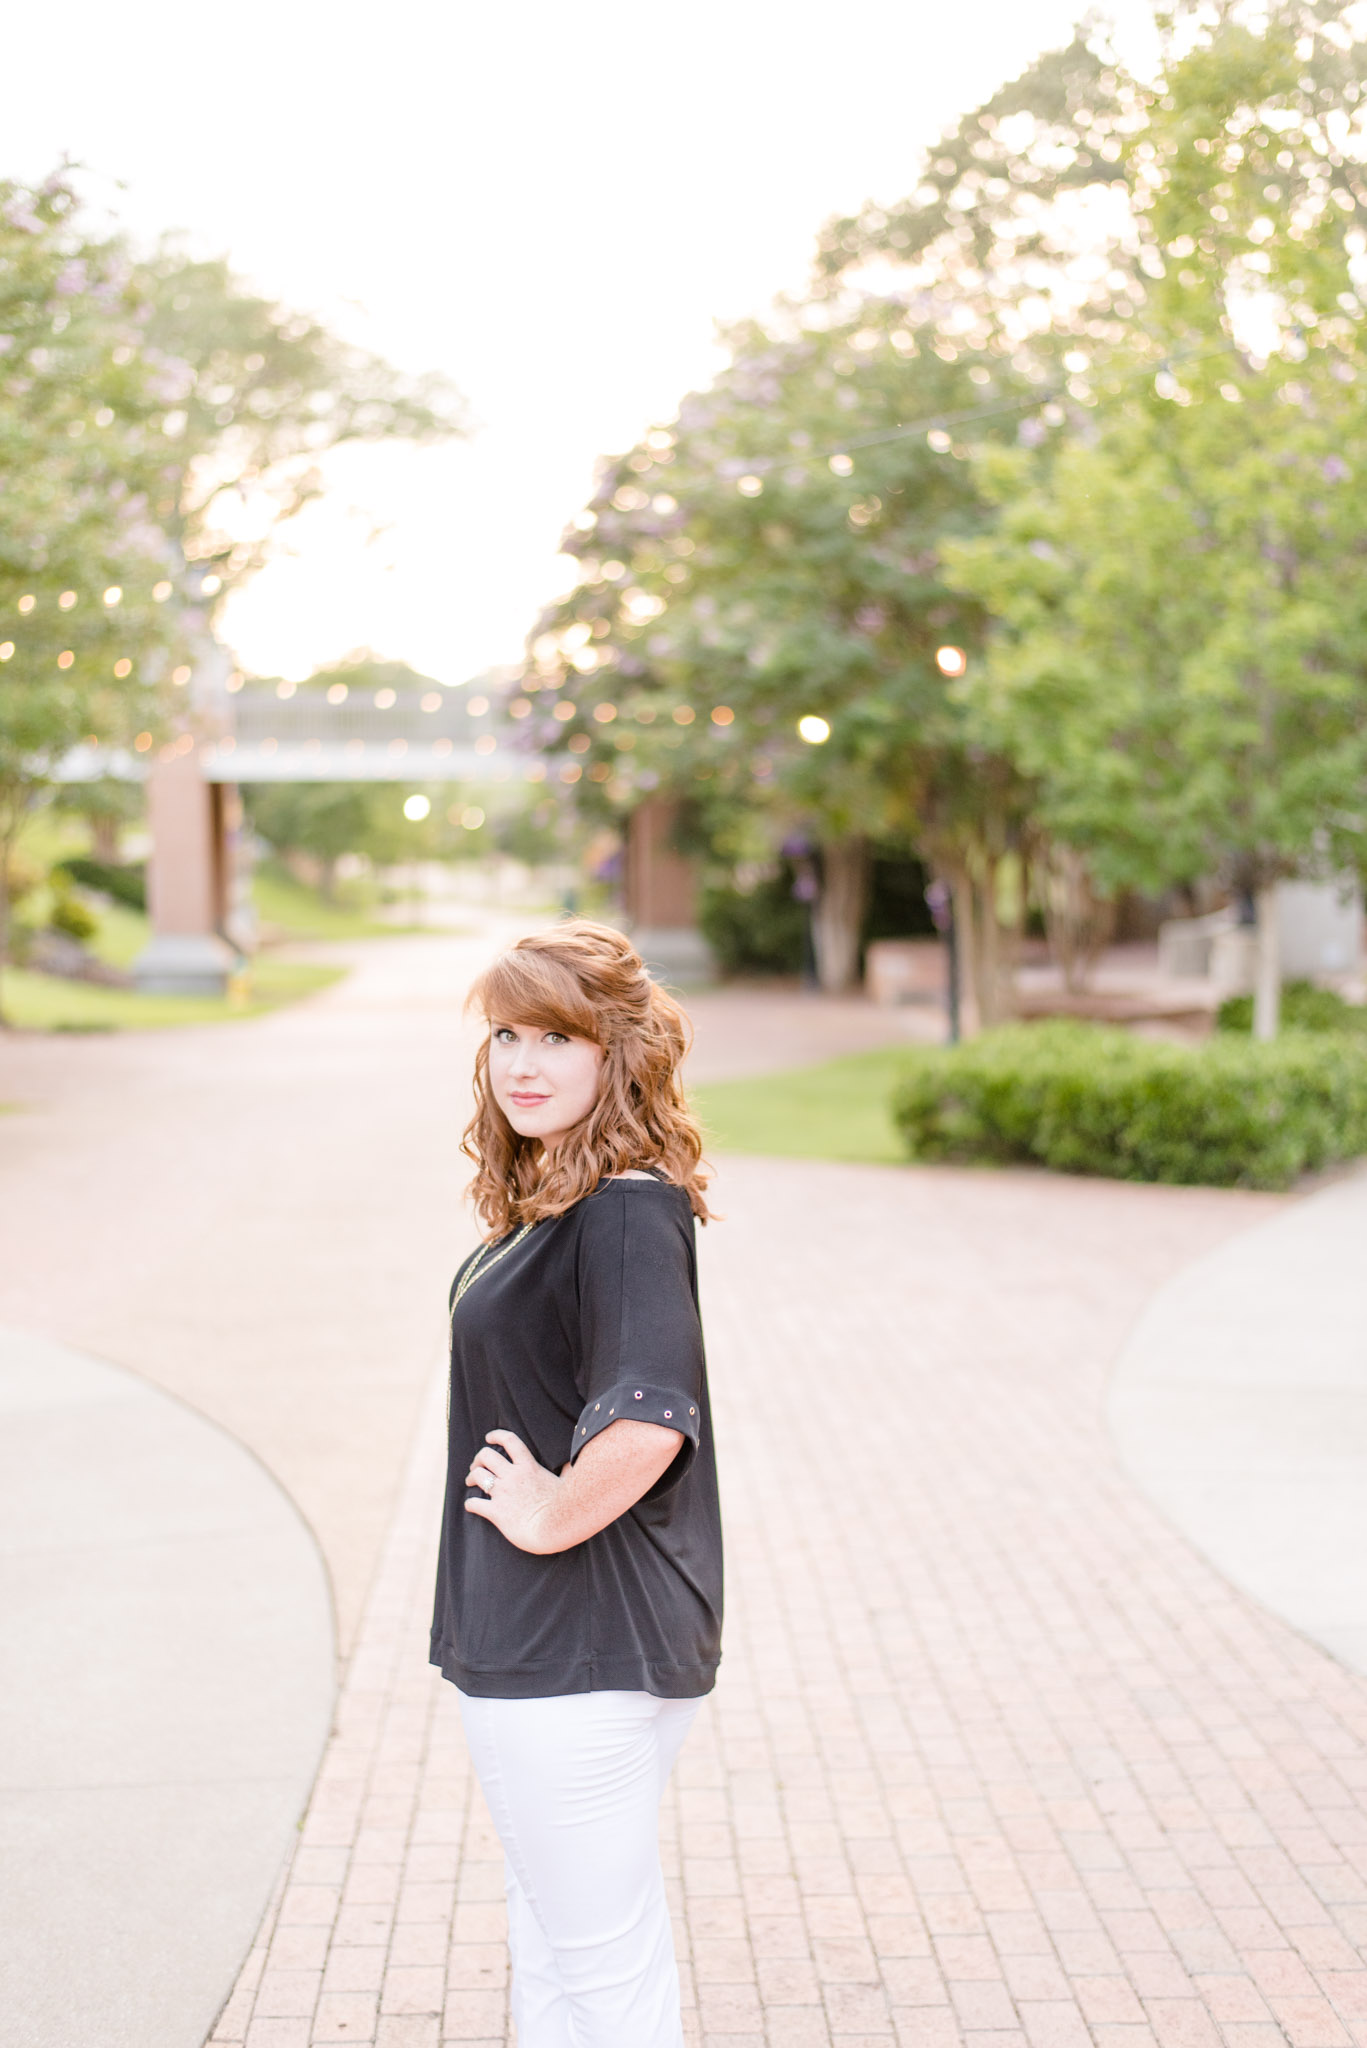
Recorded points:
(188, 882)
(662, 895)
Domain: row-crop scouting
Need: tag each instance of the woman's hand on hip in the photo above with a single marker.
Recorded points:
(517, 1495)
(540, 1511)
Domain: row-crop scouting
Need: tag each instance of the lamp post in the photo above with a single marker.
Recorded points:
(940, 899)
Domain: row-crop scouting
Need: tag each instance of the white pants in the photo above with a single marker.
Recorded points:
(574, 1785)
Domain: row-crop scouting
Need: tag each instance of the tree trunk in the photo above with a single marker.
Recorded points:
(1077, 921)
(105, 830)
(1267, 985)
(965, 925)
(838, 913)
(992, 964)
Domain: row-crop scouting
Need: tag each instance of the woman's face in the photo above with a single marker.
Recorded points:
(545, 1082)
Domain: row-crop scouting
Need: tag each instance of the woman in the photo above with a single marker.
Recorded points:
(578, 1606)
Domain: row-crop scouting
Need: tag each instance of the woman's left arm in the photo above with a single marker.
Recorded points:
(542, 1511)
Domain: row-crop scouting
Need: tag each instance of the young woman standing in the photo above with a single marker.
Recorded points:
(579, 1583)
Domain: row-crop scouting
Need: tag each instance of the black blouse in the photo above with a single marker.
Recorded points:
(591, 1316)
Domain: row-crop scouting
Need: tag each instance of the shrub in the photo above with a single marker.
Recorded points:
(755, 931)
(126, 885)
(69, 916)
(1304, 1008)
(1082, 1098)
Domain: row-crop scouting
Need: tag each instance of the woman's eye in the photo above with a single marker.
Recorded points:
(504, 1037)
(556, 1038)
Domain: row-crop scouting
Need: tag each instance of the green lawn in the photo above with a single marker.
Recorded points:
(289, 910)
(838, 1110)
(44, 1002)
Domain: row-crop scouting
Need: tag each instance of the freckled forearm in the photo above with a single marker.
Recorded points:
(609, 1476)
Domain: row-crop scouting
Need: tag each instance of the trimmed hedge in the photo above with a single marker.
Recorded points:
(126, 885)
(1084, 1098)
(1305, 1007)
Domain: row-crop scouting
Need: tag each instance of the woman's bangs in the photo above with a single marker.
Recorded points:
(530, 988)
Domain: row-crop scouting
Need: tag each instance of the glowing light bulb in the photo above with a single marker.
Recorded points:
(416, 808)
(113, 596)
(814, 730)
(951, 661)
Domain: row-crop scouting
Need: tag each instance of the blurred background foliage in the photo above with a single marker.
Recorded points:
(1020, 550)
(1044, 503)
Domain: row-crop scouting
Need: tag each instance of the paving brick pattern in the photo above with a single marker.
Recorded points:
(996, 1758)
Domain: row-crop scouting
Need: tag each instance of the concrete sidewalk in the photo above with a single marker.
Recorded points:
(167, 1648)
(1240, 1404)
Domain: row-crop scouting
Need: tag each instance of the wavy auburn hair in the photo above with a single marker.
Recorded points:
(590, 982)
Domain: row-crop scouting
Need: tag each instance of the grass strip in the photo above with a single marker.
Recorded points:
(838, 1110)
(46, 1002)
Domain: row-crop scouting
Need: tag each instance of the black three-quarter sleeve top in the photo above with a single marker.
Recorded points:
(589, 1316)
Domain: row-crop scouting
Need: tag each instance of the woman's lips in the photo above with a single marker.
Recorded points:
(528, 1101)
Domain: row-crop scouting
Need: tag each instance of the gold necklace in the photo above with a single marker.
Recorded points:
(482, 1263)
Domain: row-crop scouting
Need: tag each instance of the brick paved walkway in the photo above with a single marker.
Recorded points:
(995, 1756)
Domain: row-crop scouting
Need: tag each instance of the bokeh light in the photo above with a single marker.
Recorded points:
(813, 729)
(417, 807)
(951, 661)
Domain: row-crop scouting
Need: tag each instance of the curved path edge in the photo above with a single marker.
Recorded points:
(1239, 1404)
(167, 1639)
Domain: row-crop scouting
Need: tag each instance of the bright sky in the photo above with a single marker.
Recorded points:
(552, 204)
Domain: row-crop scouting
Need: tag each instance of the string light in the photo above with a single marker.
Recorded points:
(951, 661)
(123, 668)
(6, 649)
(814, 730)
(840, 460)
(113, 596)
(65, 658)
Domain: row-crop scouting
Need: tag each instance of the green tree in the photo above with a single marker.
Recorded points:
(157, 423)
(252, 397)
(85, 636)
(1182, 664)
(772, 560)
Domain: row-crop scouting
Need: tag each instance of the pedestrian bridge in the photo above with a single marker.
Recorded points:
(371, 736)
